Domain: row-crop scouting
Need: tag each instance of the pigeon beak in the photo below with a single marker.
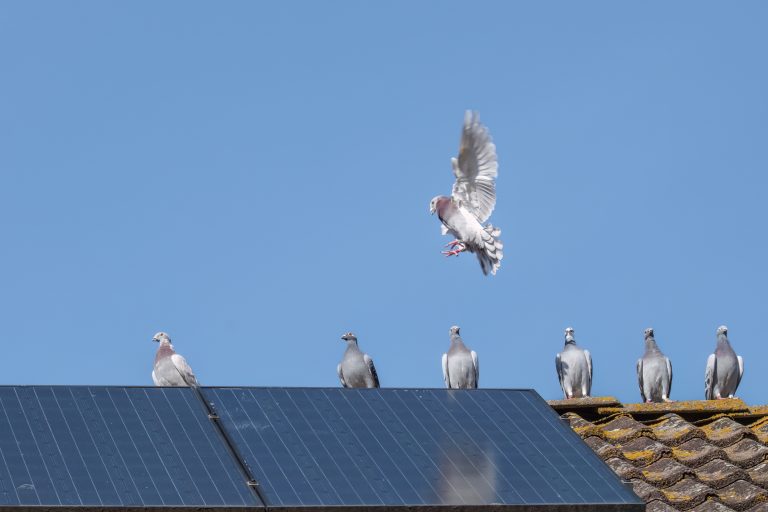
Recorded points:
(155, 339)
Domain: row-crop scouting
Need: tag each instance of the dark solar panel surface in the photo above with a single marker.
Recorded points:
(113, 446)
(395, 447)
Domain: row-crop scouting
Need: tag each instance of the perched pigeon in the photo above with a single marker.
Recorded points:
(654, 372)
(171, 369)
(461, 369)
(356, 369)
(724, 369)
(574, 368)
(473, 198)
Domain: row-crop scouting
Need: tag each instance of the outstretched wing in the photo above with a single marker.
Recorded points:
(371, 369)
(475, 169)
(640, 378)
(709, 378)
(184, 369)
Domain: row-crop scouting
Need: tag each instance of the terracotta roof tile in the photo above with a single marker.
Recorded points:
(705, 456)
(718, 473)
(747, 452)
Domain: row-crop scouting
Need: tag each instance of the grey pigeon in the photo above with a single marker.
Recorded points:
(574, 368)
(724, 369)
(171, 369)
(356, 369)
(654, 372)
(461, 369)
(473, 198)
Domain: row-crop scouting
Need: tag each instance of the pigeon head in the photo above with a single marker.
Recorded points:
(722, 330)
(433, 205)
(161, 336)
(649, 332)
(569, 335)
(349, 336)
(454, 330)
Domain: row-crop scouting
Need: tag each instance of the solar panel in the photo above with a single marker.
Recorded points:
(113, 447)
(312, 447)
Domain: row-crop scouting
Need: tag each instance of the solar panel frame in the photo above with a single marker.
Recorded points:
(117, 447)
(390, 448)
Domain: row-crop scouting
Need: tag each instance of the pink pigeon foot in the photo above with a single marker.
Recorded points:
(454, 243)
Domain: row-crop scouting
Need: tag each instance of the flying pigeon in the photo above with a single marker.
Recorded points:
(171, 369)
(574, 368)
(461, 369)
(654, 372)
(356, 369)
(724, 369)
(473, 198)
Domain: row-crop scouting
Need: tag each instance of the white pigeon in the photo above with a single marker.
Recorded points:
(171, 369)
(724, 369)
(574, 368)
(473, 198)
(356, 369)
(461, 368)
(654, 372)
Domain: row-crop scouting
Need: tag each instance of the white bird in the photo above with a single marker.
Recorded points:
(171, 369)
(473, 198)
(574, 368)
(461, 369)
(724, 369)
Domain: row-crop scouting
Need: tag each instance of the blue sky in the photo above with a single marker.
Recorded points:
(254, 178)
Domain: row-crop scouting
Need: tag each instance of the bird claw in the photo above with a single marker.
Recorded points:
(454, 251)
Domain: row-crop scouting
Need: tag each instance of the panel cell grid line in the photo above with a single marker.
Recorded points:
(129, 447)
(336, 448)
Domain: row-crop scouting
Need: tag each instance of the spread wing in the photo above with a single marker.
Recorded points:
(445, 370)
(476, 364)
(184, 369)
(341, 376)
(475, 169)
(640, 378)
(371, 369)
(589, 372)
(709, 378)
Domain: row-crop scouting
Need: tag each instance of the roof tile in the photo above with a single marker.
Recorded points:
(688, 493)
(665, 472)
(623, 428)
(747, 452)
(759, 474)
(725, 432)
(711, 506)
(602, 448)
(674, 430)
(741, 495)
(718, 473)
(623, 468)
(643, 451)
(696, 452)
